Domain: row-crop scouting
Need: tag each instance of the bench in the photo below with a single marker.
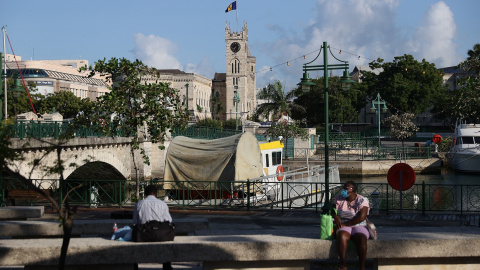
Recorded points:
(84, 227)
(395, 251)
(29, 196)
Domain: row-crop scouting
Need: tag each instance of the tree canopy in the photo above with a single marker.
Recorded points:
(344, 106)
(137, 106)
(464, 101)
(406, 84)
(64, 102)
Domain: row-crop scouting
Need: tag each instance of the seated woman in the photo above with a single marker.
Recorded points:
(352, 211)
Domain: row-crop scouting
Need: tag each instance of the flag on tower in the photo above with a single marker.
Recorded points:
(232, 6)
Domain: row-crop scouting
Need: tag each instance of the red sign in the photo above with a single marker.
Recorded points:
(401, 172)
(437, 138)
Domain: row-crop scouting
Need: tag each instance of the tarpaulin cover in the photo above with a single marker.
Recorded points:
(229, 159)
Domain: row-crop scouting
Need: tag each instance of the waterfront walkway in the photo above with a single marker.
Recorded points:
(304, 224)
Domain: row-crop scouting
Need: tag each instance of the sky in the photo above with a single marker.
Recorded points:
(190, 35)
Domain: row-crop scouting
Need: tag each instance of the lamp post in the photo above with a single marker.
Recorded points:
(378, 101)
(236, 99)
(186, 86)
(1, 86)
(306, 83)
(16, 90)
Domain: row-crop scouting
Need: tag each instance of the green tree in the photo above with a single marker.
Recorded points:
(277, 102)
(401, 126)
(287, 130)
(343, 105)
(405, 84)
(217, 107)
(64, 102)
(144, 110)
(463, 103)
(232, 123)
(23, 103)
(473, 60)
(208, 122)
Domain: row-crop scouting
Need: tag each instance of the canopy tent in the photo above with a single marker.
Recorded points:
(230, 159)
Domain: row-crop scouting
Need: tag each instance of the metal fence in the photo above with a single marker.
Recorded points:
(372, 153)
(204, 132)
(54, 129)
(251, 195)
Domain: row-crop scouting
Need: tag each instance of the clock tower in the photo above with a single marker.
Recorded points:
(240, 75)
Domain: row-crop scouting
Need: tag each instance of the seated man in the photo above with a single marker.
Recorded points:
(152, 208)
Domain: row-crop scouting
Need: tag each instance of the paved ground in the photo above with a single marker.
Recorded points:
(305, 224)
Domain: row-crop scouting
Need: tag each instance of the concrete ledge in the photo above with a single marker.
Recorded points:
(25, 229)
(231, 250)
(21, 212)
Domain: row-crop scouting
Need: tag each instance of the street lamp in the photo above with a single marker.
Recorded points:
(236, 99)
(346, 82)
(186, 86)
(378, 101)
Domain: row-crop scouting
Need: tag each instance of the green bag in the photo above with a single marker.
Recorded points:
(326, 227)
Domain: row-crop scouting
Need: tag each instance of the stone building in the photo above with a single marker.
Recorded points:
(196, 88)
(240, 77)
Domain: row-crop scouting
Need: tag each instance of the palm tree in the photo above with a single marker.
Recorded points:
(278, 102)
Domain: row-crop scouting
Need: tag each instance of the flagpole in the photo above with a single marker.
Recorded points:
(236, 13)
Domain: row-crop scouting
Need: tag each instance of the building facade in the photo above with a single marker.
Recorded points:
(195, 90)
(52, 76)
(240, 74)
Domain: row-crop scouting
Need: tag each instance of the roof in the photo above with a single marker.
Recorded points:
(367, 68)
(171, 71)
(220, 77)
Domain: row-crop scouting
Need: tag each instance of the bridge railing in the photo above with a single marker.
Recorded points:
(204, 132)
(251, 195)
(54, 129)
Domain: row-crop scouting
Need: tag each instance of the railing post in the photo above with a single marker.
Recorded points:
(461, 200)
(375, 202)
(387, 201)
(183, 197)
(424, 195)
(248, 195)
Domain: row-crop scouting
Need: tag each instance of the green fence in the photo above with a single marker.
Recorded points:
(249, 195)
(204, 132)
(54, 129)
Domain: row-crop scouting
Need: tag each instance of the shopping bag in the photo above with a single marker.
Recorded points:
(326, 227)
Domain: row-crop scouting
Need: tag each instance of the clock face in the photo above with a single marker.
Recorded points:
(235, 47)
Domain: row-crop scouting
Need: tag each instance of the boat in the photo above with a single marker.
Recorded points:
(464, 153)
(240, 170)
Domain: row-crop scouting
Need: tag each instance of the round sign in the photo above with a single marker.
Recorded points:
(404, 171)
(437, 138)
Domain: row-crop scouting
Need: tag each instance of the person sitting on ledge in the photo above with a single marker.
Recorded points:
(149, 209)
(350, 223)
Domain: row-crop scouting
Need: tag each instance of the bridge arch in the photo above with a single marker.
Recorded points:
(83, 158)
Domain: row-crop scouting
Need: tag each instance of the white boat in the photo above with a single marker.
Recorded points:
(464, 153)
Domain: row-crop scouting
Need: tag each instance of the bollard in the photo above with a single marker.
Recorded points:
(375, 203)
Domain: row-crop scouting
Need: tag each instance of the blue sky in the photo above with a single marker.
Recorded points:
(189, 34)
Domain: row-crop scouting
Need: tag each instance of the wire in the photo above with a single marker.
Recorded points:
(304, 56)
(21, 75)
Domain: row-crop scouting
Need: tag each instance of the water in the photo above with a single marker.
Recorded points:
(448, 178)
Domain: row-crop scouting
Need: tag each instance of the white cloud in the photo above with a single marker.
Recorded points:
(434, 39)
(156, 51)
(365, 28)
(159, 52)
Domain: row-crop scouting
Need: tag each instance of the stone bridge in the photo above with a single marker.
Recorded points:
(94, 158)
